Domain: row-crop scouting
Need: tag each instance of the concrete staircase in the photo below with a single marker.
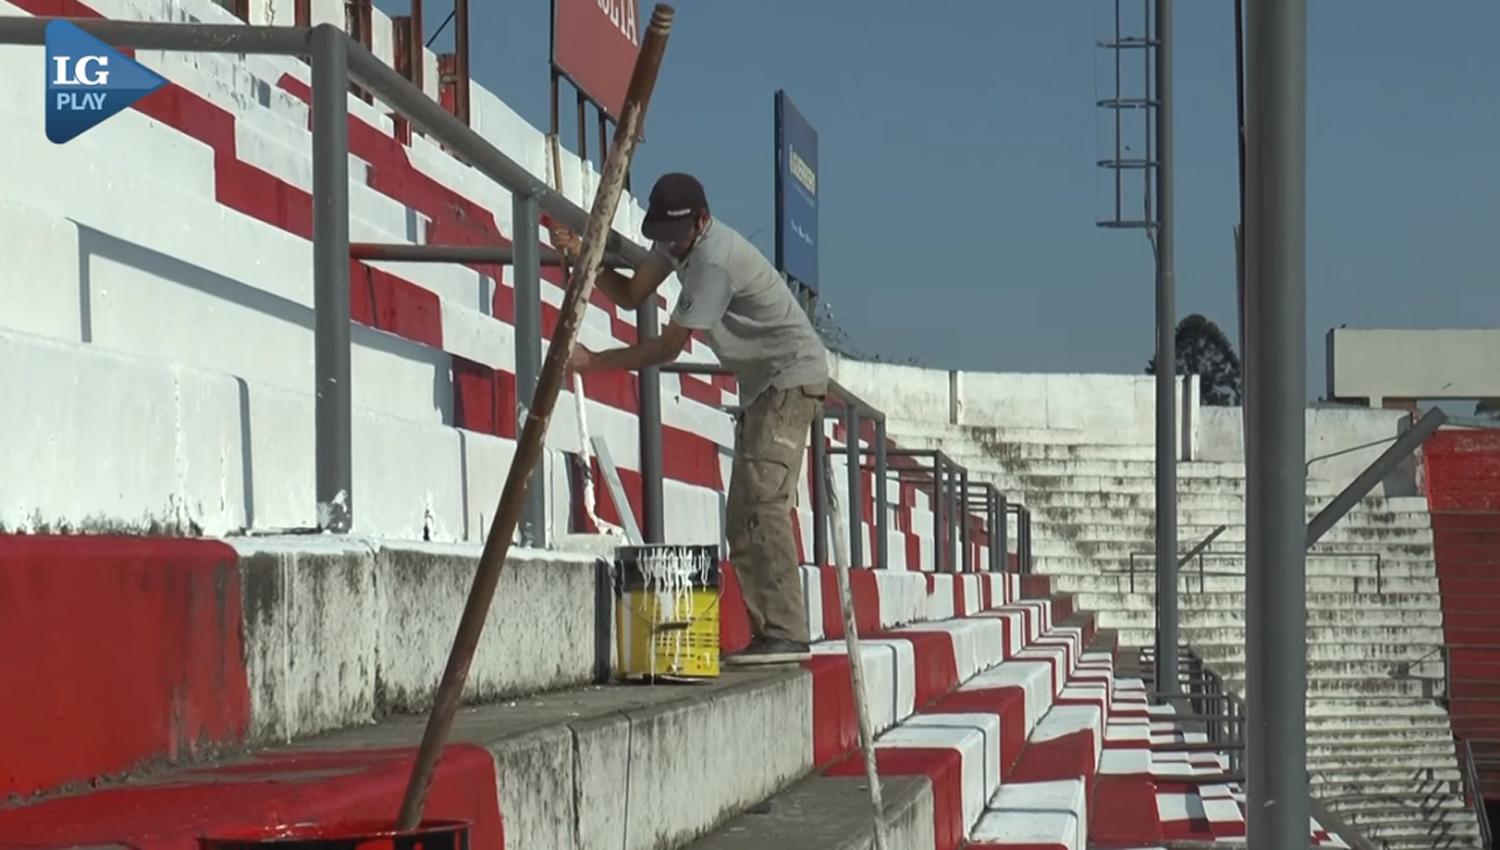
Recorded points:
(1381, 750)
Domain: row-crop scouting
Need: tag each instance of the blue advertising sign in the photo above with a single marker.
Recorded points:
(796, 194)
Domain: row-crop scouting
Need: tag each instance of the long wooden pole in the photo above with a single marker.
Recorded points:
(851, 633)
(529, 446)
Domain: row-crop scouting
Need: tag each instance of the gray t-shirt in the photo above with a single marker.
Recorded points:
(754, 325)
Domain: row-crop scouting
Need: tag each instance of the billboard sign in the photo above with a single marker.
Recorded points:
(594, 43)
(796, 194)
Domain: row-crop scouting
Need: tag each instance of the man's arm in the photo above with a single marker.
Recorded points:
(628, 292)
(631, 292)
(651, 352)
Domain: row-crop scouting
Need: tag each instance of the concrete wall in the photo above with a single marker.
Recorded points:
(1403, 363)
(1105, 409)
(1329, 430)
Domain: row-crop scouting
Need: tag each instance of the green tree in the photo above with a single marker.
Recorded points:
(1204, 350)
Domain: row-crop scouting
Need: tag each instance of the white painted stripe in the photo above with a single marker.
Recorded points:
(1036, 813)
(1057, 656)
(1178, 807)
(978, 642)
(973, 597)
(1033, 677)
(1014, 624)
(903, 597)
(940, 597)
(976, 737)
(1223, 811)
(890, 678)
(1125, 762)
(812, 600)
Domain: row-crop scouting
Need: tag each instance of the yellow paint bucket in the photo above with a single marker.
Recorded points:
(667, 612)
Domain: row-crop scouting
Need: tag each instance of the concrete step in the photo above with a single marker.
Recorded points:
(1324, 608)
(1231, 540)
(1318, 564)
(1140, 637)
(1203, 500)
(1392, 653)
(1027, 483)
(1103, 546)
(1116, 582)
(1209, 514)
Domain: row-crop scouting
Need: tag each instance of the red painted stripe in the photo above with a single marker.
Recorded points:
(835, 723)
(943, 766)
(125, 650)
(1124, 813)
(287, 787)
(734, 620)
(1068, 757)
(866, 592)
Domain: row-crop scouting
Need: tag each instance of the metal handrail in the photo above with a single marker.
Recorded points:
(1476, 793)
(1239, 553)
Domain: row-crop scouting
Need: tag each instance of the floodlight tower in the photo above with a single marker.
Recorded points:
(1152, 48)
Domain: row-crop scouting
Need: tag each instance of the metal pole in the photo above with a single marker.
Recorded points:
(648, 326)
(1374, 474)
(882, 510)
(990, 501)
(819, 493)
(1002, 510)
(332, 416)
(1166, 368)
(966, 556)
(953, 512)
(1276, 479)
(856, 495)
(525, 213)
(937, 513)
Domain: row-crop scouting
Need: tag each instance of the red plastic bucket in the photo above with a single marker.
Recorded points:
(358, 835)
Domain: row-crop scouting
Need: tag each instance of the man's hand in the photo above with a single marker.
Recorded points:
(566, 241)
(581, 360)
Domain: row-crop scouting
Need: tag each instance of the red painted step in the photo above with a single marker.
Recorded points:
(1466, 520)
(1465, 689)
(1464, 586)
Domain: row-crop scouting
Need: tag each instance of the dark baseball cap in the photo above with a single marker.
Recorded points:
(676, 201)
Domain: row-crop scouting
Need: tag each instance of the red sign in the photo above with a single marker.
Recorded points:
(594, 43)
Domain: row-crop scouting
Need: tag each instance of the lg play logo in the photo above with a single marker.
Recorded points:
(88, 81)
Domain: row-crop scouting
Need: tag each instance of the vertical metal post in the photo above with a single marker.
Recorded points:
(937, 513)
(461, 100)
(527, 278)
(648, 326)
(1276, 480)
(856, 495)
(953, 517)
(332, 416)
(966, 554)
(819, 493)
(1166, 369)
(882, 509)
(1002, 509)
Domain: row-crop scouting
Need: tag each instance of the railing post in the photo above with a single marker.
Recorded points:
(966, 555)
(331, 336)
(1002, 510)
(648, 326)
(527, 277)
(855, 501)
(953, 518)
(937, 513)
(819, 493)
(882, 509)
(991, 500)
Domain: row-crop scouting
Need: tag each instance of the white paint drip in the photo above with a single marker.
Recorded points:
(586, 457)
(670, 577)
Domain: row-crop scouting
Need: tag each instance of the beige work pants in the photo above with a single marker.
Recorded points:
(770, 441)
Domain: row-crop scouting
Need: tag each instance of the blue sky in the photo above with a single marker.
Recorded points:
(957, 143)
